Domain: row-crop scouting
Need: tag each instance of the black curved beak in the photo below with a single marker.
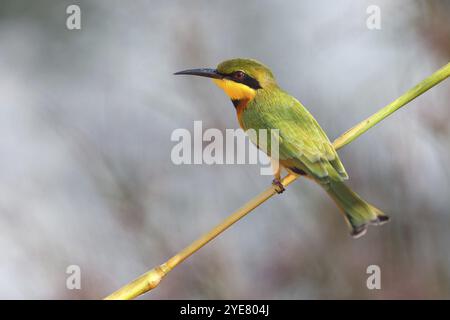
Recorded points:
(203, 72)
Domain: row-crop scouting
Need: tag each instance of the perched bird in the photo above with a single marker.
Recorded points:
(304, 148)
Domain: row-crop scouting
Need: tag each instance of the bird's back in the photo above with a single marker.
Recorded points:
(303, 145)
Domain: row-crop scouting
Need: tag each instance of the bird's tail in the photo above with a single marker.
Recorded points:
(358, 213)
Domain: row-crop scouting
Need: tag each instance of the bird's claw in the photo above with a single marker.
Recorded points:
(278, 186)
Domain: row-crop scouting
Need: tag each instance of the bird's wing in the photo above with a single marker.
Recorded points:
(302, 142)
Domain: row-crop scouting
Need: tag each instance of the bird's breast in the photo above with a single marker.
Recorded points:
(240, 105)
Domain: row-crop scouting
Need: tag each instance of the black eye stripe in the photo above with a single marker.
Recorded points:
(251, 82)
(247, 80)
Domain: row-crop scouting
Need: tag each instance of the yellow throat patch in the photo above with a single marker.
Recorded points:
(235, 90)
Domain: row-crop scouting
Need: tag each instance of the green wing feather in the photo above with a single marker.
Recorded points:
(301, 139)
(303, 145)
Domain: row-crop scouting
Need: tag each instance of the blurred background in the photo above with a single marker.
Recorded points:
(85, 171)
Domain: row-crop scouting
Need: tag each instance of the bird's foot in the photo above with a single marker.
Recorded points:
(279, 188)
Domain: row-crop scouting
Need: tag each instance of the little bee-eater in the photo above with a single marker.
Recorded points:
(304, 148)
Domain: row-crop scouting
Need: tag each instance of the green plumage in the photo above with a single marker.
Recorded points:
(301, 138)
(304, 147)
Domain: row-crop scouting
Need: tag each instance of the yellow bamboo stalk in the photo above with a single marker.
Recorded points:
(152, 278)
(411, 94)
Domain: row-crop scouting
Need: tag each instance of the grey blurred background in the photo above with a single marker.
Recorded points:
(85, 170)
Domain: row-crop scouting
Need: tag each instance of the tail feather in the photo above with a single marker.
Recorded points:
(358, 213)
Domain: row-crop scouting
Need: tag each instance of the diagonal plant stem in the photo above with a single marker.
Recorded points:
(152, 278)
(411, 94)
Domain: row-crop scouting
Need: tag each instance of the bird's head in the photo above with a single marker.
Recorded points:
(239, 78)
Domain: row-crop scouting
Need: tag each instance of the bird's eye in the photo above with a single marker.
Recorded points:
(239, 75)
